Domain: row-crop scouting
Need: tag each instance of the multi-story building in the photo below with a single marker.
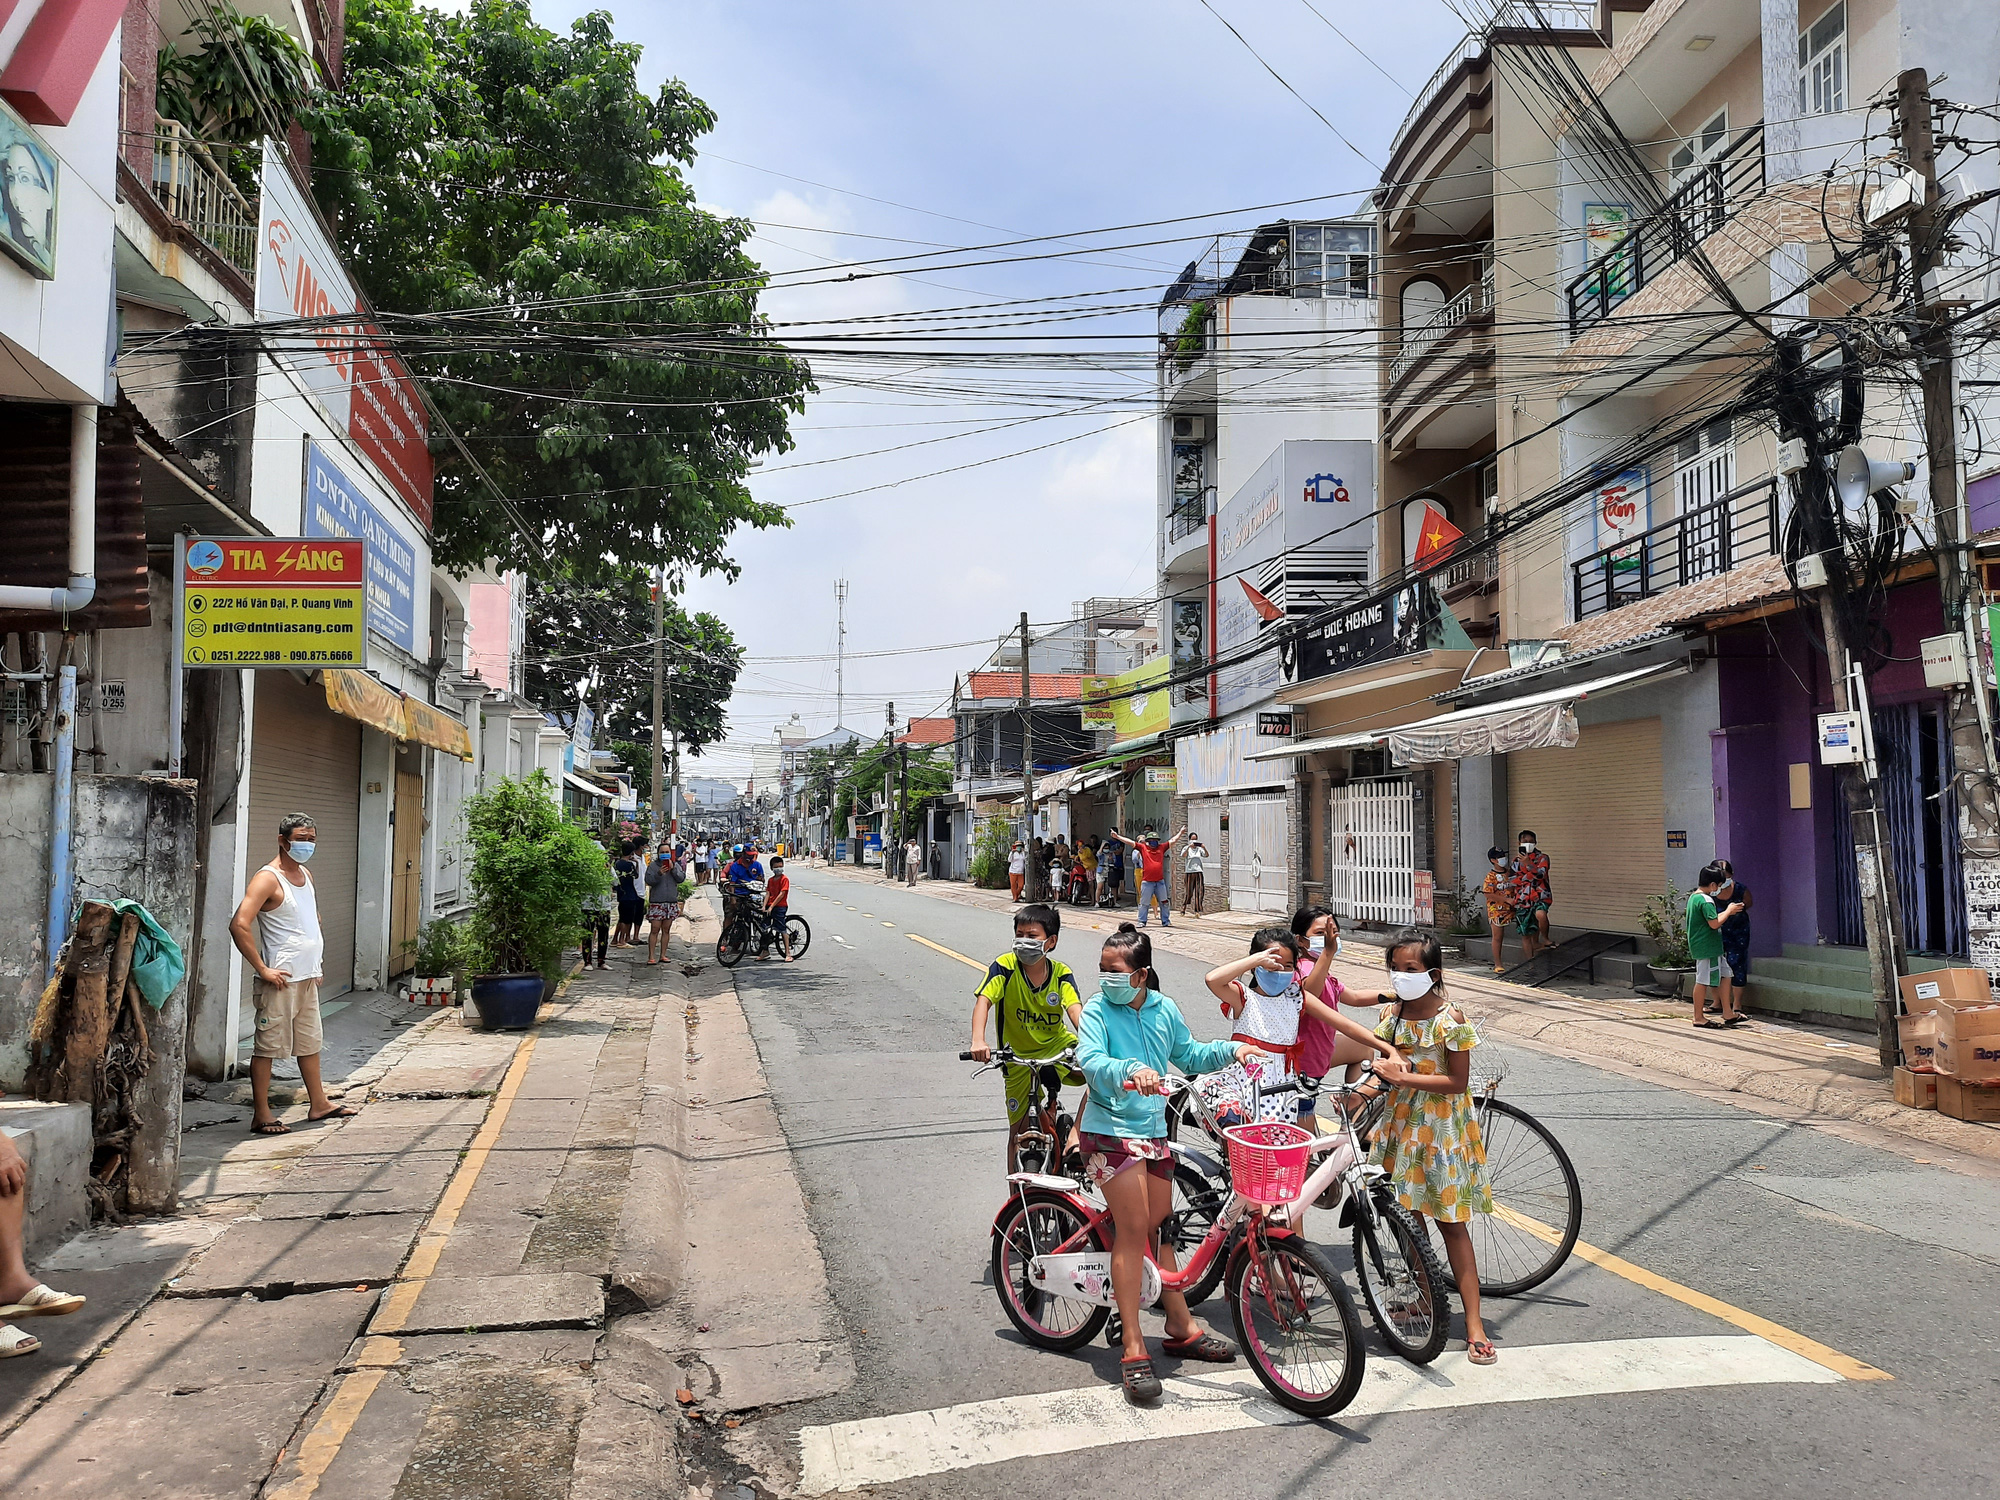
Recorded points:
(1267, 490)
(1592, 222)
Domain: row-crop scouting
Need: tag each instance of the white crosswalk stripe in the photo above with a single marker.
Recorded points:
(884, 1450)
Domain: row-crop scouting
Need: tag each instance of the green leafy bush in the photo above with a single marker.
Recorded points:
(439, 949)
(1665, 919)
(532, 870)
(994, 842)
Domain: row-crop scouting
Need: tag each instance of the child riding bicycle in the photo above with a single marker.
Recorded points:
(1039, 1009)
(1131, 1033)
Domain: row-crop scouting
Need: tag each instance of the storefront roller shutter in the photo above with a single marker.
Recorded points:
(306, 759)
(1600, 814)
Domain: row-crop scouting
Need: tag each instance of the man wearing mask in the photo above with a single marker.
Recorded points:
(276, 929)
(1532, 894)
(1151, 851)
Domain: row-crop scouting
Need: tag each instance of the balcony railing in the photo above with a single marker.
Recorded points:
(1553, 15)
(1702, 543)
(1189, 515)
(1713, 194)
(1468, 574)
(196, 191)
(1420, 340)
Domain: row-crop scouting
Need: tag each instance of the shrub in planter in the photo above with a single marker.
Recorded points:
(532, 870)
(1664, 918)
(437, 955)
(994, 843)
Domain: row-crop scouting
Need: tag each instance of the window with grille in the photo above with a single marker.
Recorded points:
(1823, 63)
(1489, 487)
(1704, 145)
(1332, 260)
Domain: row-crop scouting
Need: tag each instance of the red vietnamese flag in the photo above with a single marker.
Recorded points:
(1266, 610)
(1437, 537)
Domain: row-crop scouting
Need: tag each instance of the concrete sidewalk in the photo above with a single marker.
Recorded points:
(1815, 1075)
(489, 1283)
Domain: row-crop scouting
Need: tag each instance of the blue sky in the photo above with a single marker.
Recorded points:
(1034, 118)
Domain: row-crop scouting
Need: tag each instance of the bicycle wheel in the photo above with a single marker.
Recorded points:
(1537, 1202)
(730, 947)
(800, 934)
(1197, 1202)
(1402, 1281)
(1296, 1324)
(1045, 1320)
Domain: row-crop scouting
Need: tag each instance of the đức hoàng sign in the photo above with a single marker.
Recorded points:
(335, 507)
(1372, 630)
(270, 602)
(341, 355)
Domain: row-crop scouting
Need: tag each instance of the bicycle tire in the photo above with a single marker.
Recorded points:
(1530, 1176)
(799, 933)
(1329, 1312)
(729, 947)
(1197, 1202)
(1416, 1278)
(1022, 1303)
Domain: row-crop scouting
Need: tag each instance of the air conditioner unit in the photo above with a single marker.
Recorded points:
(1190, 429)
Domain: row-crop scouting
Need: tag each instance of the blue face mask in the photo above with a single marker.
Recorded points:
(302, 849)
(1273, 983)
(1117, 988)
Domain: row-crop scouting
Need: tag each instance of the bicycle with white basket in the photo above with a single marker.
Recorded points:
(1294, 1320)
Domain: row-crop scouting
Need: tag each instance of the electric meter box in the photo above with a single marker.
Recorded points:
(1944, 662)
(1839, 739)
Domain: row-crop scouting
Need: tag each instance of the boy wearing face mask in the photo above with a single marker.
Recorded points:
(1532, 895)
(276, 929)
(1498, 889)
(1039, 1010)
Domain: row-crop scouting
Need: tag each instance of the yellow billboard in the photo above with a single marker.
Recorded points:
(1138, 701)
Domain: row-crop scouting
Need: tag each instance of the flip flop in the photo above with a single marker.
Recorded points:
(42, 1302)
(1208, 1347)
(338, 1112)
(1482, 1352)
(13, 1342)
(1708, 1026)
(1735, 1020)
(271, 1127)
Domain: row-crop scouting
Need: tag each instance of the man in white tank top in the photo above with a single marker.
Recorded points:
(276, 928)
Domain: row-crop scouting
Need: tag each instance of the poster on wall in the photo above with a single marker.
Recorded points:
(30, 175)
(1606, 227)
(1624, 510)
(1190, 650)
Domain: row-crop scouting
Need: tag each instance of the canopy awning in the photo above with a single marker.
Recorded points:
(587, 786)
(1533, 721)
(433, 727)
(355, 695)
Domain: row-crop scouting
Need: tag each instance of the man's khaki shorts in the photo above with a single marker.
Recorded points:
(287, 1019)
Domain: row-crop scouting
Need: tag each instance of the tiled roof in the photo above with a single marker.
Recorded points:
(928, 732)
(1739, 588)
(1041, 685)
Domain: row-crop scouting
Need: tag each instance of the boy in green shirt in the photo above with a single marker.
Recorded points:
(1039, 1011)
(1704, 935)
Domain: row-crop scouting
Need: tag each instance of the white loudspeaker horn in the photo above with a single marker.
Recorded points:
(1856, 476)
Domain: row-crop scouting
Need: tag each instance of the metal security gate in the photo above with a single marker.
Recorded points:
(1204, 821)
(1371, 874)
(1920, 812)
(1260, 876)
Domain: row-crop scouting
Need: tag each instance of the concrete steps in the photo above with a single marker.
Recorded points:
(56, 1142)
(1816, 982)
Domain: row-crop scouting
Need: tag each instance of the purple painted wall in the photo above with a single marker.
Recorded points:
(1771, 688)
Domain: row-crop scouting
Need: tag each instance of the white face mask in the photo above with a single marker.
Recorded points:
(1527, 848)
(1316, 945)
(1410, 986)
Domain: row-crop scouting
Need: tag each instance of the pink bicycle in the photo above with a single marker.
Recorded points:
(1294, 1319)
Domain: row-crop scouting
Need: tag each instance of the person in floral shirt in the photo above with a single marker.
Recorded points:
(1532, 895)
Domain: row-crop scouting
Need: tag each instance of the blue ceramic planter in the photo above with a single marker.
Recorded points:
(507, 1002)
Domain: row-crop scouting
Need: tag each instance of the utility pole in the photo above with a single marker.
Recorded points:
(659, 691)
(840, 653)
(1971, 747)
(1875, 870)
(1032, 889)
(888, 793)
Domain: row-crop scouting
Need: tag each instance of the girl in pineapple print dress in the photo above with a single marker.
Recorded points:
(1431, 1144)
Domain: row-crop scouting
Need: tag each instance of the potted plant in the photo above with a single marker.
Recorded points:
(531, 871)
(437, 954)
(1665, 919)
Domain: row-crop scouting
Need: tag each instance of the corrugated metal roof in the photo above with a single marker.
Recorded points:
(34, 509)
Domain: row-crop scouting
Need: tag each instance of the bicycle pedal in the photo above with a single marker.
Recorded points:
(1114, 1332)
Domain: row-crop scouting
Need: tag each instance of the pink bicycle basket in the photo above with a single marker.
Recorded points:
(1267, 1161)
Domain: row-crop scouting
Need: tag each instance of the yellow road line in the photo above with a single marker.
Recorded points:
(322, 1445)
(1845, 1365)
(970, 963)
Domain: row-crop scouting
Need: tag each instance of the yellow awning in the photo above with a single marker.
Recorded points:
(439, 730)
(356, 695)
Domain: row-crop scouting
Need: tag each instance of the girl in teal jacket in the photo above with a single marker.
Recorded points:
(1130, 1033)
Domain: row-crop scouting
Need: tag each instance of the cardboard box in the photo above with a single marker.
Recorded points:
(1918, 1035)
(1968, 1044)
(1967, 1101)
(1946, 989)
(1916, 1090)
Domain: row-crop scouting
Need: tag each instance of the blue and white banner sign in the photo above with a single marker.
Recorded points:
(337, 506)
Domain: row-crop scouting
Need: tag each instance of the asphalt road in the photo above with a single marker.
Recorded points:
(1864, 1248)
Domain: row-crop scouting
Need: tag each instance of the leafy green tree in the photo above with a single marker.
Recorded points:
(597, 637)
(247, 77)
(531, 871)
(603, 356)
